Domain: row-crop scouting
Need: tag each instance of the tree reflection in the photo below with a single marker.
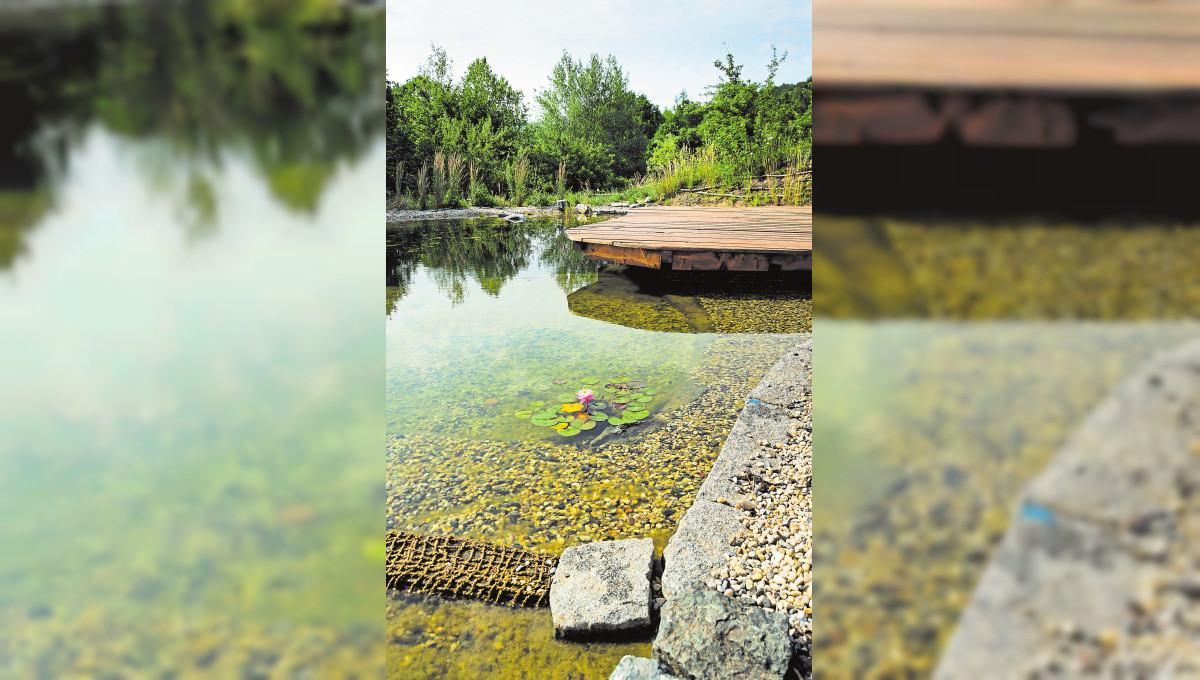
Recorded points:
(290, 86)
(486, 252)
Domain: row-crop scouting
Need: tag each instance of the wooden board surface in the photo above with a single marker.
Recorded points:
(731, 230)
(1104, 46)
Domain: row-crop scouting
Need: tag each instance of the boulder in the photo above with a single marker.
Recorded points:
(560, 205)
(704, 634)
(698, 546)
(638, 668)
(583, 208)
(602, 587)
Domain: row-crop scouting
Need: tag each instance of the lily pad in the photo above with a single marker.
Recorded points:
(564, 397)
(635, 406)
(561, 426)
(601, 416)
(634, 415)
(637, 384)
(560, 381)
(622, 378)
(650, 392)
(589, 381)
(597, 406)
(569, 432)
(536, 404)
(645, 399)
(617, 421)
(586, 425)
(524, 414)
(620, 400)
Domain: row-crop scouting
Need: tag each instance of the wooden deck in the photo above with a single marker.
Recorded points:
(1108, 46)
(731, 239)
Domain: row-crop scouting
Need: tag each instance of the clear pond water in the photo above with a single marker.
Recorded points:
(490, 322)
(189, 381)
(955, 360)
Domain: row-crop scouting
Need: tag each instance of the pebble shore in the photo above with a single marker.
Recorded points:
(770, 564)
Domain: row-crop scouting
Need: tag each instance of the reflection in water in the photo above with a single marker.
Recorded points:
(485, 327)
(179, 415)
(936, 413)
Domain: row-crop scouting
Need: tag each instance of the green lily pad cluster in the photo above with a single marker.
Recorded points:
(619, 401)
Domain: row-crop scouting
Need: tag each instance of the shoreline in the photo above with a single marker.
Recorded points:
(727, 519)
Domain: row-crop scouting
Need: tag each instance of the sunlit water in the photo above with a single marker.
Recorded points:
(955, 361)
(190, 376)
(483, 318)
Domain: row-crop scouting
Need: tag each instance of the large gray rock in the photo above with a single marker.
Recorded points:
(698, 546)
(638, 668)
(705, 635)
(1091, 529)
(583, 208)
(789, 379)
(602, 588)
(560, 205)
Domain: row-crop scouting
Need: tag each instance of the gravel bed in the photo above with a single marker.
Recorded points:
(770, 564)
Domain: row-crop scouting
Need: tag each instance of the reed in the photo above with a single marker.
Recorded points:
(520, 171)
(454, 170)
(439, 178)
(423, 185)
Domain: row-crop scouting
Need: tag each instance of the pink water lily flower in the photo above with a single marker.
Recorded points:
(585, 395)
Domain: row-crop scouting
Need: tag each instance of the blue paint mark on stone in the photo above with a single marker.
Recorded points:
(753, 401)
(1038, 513)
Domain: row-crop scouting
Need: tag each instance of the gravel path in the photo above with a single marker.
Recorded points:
(770, 564)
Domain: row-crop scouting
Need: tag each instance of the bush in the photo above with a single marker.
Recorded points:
(482, 198)
(540, 198)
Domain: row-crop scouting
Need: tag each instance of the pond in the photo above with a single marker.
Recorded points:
(189, 409)
(493, 330)
(956, 358)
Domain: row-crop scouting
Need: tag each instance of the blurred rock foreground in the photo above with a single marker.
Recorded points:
(1096, 576)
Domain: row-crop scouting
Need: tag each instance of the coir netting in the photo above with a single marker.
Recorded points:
(462, 567)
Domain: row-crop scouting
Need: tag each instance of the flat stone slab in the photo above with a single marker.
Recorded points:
(697, 547)
(705, 635)
(639, 668)
(1093, 526)
(789, 379)
(602, 587)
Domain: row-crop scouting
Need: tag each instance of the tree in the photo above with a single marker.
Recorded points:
(592, 121)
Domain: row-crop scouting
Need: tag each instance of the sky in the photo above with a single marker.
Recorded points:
(663, 46)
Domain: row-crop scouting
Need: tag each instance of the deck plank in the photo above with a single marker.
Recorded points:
(1113, 46)
(743, 239)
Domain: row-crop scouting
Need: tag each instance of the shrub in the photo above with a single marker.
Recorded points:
(482, 198)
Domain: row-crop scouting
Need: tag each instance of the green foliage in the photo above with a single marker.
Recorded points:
(480, 118)
(595, 138)
(482, 198)
(592, 122)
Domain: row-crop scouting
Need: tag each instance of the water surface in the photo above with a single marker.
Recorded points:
(190, 348)
(483, 318)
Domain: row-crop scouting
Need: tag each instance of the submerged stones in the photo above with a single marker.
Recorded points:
(602, 588)
(706, 635)
(639, 668)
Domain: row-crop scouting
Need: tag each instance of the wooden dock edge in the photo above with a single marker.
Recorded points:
(696, 260)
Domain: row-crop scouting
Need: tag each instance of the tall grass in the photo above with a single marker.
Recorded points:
(520, 172)
(423, 185)
(454, 168)
(399, 178)
(439, 178)
(473, 174)
(560, 179)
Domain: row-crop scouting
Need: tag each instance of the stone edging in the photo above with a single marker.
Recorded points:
(701, 544)
(703, 536)
(1097, 526)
